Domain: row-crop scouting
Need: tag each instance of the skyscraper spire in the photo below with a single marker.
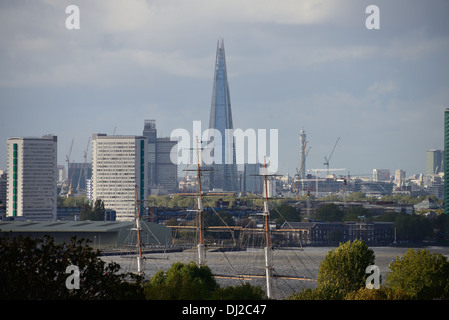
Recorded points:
(225, 169)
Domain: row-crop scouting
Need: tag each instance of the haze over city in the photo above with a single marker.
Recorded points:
(292, 65)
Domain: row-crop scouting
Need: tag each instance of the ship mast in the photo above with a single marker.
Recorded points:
(138, 229)
(201, 247)
(266, 214)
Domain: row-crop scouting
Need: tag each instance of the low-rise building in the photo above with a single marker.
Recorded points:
(332, 233)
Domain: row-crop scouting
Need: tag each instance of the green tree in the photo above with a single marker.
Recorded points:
(421, 273)
(221, 218)
(36, 269)
(441, 226)
(341, 271)
(354, 214)
(241, 292)
(93, 214)
(329, 212)
(86, 211)
(285, 212)
(181, 282)
(383, 293)
(191, 282)
(413, 227)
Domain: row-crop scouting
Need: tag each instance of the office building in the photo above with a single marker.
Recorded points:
(381, 175)
(224, 175)
(399, 178)
(166, 170)
(162, 172)
(118, 170)
(32, 177)
(150, 132)
(434, 161)
(252, 179)
(3, 184)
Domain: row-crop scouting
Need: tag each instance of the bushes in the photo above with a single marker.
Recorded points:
(190, 282)
(418, 274)
(35, 269)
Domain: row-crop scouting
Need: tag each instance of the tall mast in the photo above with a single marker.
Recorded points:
(201, 251)
(138, 228)
(266, 213)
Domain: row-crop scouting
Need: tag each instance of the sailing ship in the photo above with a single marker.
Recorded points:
(201, 247)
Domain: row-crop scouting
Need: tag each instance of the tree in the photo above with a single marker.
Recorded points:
(441, 226)
(329, 212)
(413, 227)
(421, 273)
(97, 213)
(341, 271)
(192, 282)
(181, 282)
(354, 214)
(383, 293)
(241, 292)
(284, 213)
(36, 269)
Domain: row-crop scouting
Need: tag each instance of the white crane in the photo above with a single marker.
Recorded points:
(326, 163)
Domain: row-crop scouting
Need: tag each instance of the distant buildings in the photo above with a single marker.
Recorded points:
(381, 175)
(79, 173)
(32, 177)
(434, 161)
(119, 164)
(252, 183)
(162, 172)
(224, 175)
(331, 233)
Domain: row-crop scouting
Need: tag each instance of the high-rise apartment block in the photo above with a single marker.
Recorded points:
(434, 161)
(150, 132)
(224, 175)
(119, 168)
(381, 175)
(252, 181)
(162, 172)
(32, 178)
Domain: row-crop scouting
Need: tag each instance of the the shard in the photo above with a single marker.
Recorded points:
(224, 175)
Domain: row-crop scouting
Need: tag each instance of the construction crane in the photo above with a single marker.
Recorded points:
(83, 170)
(326, 163)
(69, 181)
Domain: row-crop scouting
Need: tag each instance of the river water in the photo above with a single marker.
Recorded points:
(294, 269)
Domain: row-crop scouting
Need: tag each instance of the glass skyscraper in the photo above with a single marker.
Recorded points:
(224, 175)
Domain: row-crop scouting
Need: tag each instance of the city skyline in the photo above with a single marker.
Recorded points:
(308, 65)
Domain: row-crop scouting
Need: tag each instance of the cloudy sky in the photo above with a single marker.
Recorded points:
(292, 65)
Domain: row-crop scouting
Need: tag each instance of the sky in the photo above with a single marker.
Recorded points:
(292, 65)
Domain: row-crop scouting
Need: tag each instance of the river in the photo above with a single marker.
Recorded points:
(289, 265)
